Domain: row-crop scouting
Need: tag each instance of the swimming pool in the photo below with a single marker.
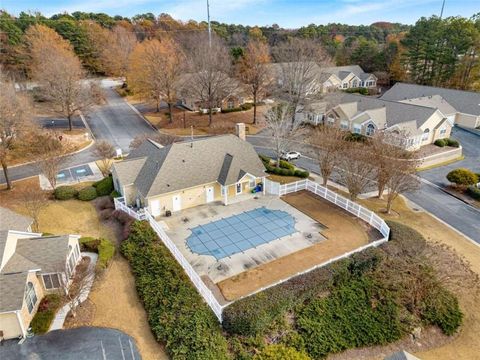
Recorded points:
(238, 233)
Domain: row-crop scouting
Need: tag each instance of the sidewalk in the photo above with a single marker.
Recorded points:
(60, 316)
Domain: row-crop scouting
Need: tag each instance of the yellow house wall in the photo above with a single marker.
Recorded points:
(8, 321)
(431, 123)
(469, 121)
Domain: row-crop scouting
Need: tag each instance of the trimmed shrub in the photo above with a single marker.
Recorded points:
(440, 142)
(103, 247)
(286, 165)
(105, 186)
(177, 314)
(45, 314)
(462, 177)
(358, 90)
(347, 319)
(246, 106)
(65, 192)
(442, 309)
(87, 193)
(355, 137)
(302, 173)
(115, 194)
(279, 351)
(452, 143)
(474, 192)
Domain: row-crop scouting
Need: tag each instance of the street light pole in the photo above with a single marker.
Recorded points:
(209, 26)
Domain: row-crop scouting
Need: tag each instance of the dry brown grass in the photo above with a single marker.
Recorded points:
(343, 233)
(466, 345)
(283, 179)
(222, 122)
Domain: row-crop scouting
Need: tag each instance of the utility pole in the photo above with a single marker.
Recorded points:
(209, 27)
(441, 12)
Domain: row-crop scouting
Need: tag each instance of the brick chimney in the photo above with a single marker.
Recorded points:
(240, 130)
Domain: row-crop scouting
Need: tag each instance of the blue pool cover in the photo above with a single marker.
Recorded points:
(237, 233)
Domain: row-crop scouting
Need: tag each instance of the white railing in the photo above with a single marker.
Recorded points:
(271, 187)
(359, 211)
(120, 205)
(204, 291)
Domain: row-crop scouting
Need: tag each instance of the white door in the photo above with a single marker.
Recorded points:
(209, 192)
(177, 203)
(155, 206)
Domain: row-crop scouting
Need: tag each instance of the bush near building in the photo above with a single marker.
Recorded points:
(87, 193)
(105, 186)
(285, 168)
(177, 314)
(373, 298)
(447, 142)
(65, 193)
(45, 314)
(103, 247)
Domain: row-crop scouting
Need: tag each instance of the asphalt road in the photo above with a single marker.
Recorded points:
(86, 343)
(115, 122)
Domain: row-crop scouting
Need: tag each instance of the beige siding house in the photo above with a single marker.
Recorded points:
(416, 125)
(460, 107)
(30, 267)
(186, 174)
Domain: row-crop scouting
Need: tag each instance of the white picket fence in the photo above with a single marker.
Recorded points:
(204, 291)
(359, 211)
(273, 188)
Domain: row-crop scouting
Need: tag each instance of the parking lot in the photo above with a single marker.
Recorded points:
(86, 343)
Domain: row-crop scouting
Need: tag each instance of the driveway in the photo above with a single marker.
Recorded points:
(471, 150)
(85, 343)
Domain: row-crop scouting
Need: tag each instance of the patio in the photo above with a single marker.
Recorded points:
(249, 250)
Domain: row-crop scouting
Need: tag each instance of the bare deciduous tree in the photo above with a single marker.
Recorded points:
(155, 70)
(401, 178)
(34, 200)
(162, 139)
(254, 72)
(357, 168)
(15, 113)
(106, 152)
(53, 156)
(210, 67)
(116, 50)
(329, 141)
(300, 63)
(58, 71)
(78, 290)
(278, 120)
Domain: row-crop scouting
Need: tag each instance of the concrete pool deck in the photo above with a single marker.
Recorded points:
(178, 228)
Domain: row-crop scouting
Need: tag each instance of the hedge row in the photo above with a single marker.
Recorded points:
(243, 107)
(360, 301)
(177, 314)
(474, 192)
(45, 314)
(100, 188)
(103, 247)
(447, 142)
(285, 168)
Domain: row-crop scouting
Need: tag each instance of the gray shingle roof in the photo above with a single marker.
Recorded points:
(396, 112)
(191, 163)
(10, 220)
(12, 290)
(47, 253)
(356, 69)
(467, 102)
(401, 355)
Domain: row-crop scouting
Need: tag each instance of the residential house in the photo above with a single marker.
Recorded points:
(327, 79)
(187, 174)
(460, 107)
(11, 220)
(416, 125)
(232, 95)
(30, 267)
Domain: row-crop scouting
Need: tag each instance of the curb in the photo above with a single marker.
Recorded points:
(135, 110)
(471, 131)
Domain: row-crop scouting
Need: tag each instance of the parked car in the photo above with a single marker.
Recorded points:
(290, 155)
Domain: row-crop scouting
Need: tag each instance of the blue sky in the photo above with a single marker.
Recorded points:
(286, 13)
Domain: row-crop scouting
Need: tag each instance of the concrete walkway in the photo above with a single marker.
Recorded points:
(57, 323)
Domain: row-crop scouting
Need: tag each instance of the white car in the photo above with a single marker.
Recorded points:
(291, 155)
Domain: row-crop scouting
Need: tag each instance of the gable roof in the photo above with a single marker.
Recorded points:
(12, 288)
(188, 164)
(433, 101)
(467, 102)
(10, 220)
(395, 112)
(46, 253)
